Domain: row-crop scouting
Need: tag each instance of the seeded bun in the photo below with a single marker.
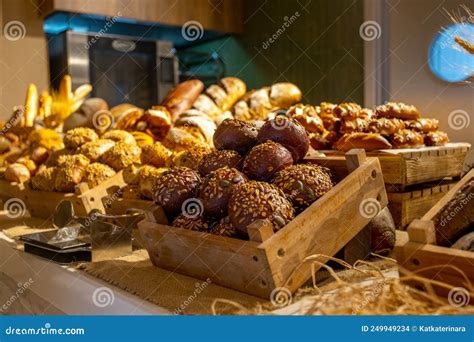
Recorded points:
(235, 135)
(258, 200)
(264, 160)
(76, 137)
(220, 158)
(174, 187)
(118, 135)
(288, 133)
(155, 154)
(121, 155)
(192, 223)
(190, 158)
(303, 184)
(96, 173)
(225, 228)
(217, 188)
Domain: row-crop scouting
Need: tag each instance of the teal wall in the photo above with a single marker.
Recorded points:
(320, 50)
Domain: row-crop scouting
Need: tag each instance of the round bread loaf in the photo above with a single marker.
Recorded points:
(174, 187)
(220, 158)
(217, 188)
(191, 223)
(235, 135)
(258, 200)
(264, 160)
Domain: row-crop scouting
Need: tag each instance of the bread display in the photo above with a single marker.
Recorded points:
(303, 184)
(288, 133)
(259, 200)
(216, 189)
(266, 159)
(174, 187)
(235, 135)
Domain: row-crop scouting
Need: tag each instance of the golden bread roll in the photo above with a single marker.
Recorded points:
(17, 173)
(206, 105)
(354, 125)
(119, 136)
(156, 122)
(234, 87)
(284, 94)
(70, 172)
(121, 155)
(76, 137)
(156, 155)
(308, 117)
(436, 138)
(367, 141)
(44, 179)
(423, 125)
(406, 138)
(95, 149)
(386, 126)
(397, 110)
(96, 173)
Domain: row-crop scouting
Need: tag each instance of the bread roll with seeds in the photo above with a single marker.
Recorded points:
(96, 173)
(303, 184)
(266, 159)
(308, 117)
(257, 201)
(70, 172)
(120, 136)
(386, 126)
(121, 155)
(191, 223)
(288, 133)
(235, 135)
(44, 179)
(406, 138)
(147, 177)
(174, 187)
(95, 149)
(397, 110)
(424, 125)
(217, 159)
(225, 228)
(76, 137)
(216, 190)
(191, 158)
(131, 191)
(156, 154)
(436, 138)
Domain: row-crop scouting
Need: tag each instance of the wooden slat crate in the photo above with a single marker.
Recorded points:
(404, 167)
(410, 205)
(43, 203)
(271, 260)
(416, 249)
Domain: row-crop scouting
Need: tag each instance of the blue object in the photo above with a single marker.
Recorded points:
(447, 59)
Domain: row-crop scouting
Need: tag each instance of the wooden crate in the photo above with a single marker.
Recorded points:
(404, 167)
(416, 250)
(413, 204)
(272, 261)
(42, 204)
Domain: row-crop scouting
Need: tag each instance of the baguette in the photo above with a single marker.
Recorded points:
(284, 94)
(182, 97)
(367, 141)
(206, 105)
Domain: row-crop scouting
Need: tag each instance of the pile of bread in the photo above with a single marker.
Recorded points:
(348, 125)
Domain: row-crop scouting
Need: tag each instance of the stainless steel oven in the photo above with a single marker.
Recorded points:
(120, 68)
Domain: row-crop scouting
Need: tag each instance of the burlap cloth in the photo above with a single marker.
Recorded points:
(136, 275)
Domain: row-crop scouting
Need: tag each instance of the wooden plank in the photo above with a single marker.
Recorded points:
(260, 230)
(233, 263)
(422, 232)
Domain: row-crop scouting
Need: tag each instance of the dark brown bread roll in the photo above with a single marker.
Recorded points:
(217, 188)
(367, 141)
(225, 228)
(264, 160)
(174, 187)
(258, 200)
(436, 138)
(182, 97)
(407, 139)
(220, 158)
(235, 135)
(191, 223)
(303, 184)
(382, 230)
(288, 133)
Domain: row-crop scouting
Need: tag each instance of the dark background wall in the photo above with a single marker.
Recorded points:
(321, 50)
